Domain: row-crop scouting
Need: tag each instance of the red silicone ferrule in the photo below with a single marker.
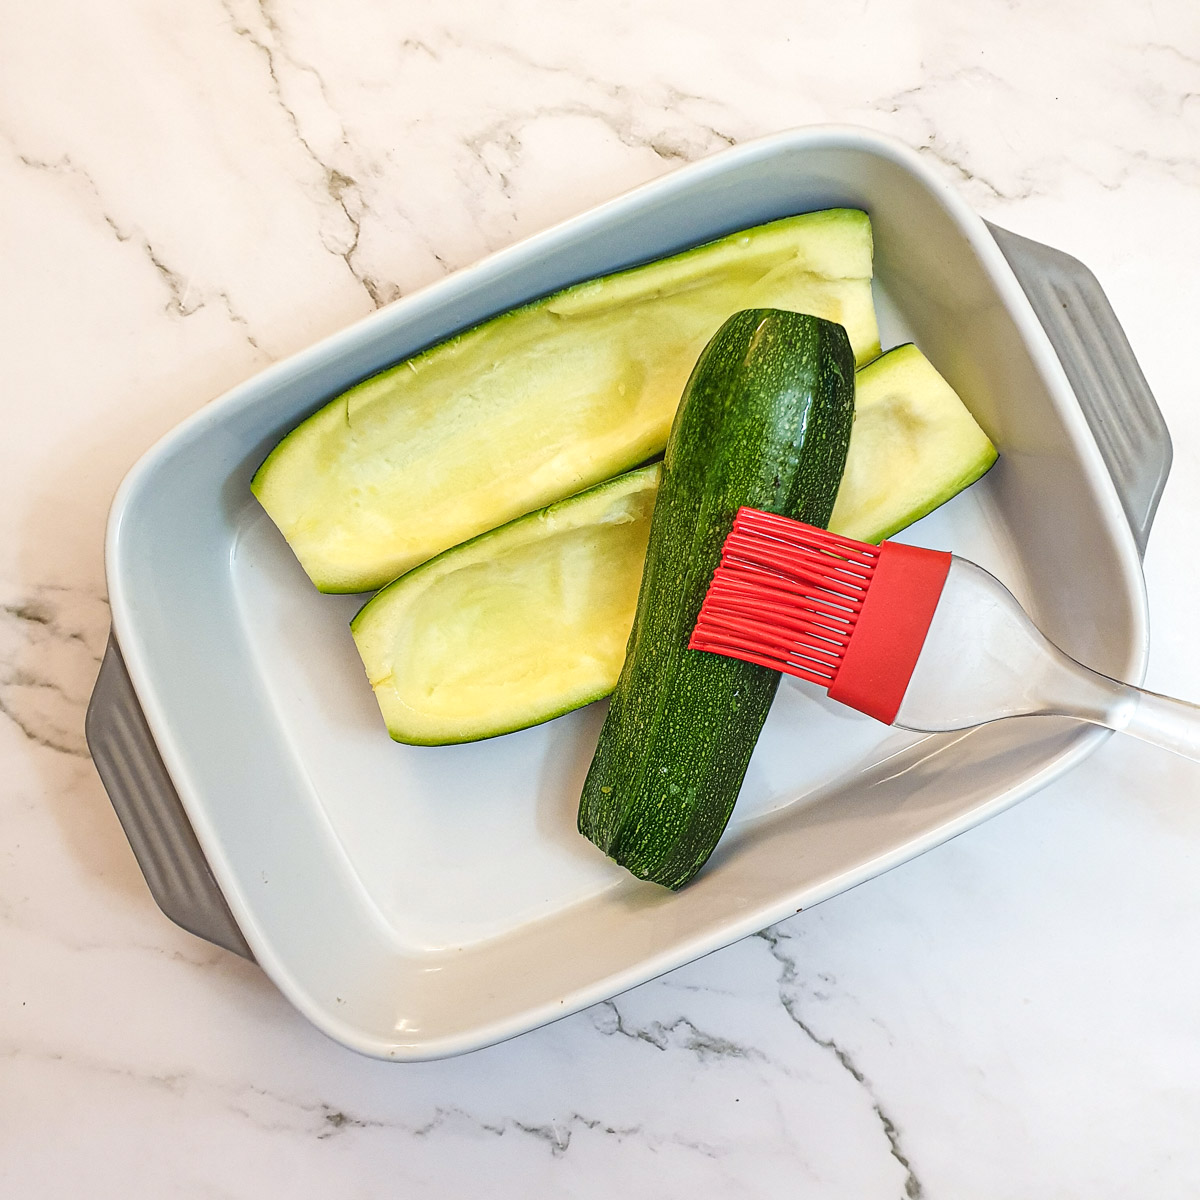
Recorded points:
(890, 630)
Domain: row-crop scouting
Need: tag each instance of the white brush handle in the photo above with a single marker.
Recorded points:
(984, 660)
(1161, 721)
(1070, 689)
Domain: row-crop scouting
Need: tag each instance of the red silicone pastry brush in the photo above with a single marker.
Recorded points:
(916, 638)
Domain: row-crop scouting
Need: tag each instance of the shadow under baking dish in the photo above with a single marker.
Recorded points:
(417, 902)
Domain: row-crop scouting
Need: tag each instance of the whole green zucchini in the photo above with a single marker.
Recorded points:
(765, 421)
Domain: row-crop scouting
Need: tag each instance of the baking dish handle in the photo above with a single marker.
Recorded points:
(151, 812)
(1102, 370)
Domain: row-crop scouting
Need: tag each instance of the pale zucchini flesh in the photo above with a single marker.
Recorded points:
(517, 626)
(913, 446)
(531, 620)
(540, 402)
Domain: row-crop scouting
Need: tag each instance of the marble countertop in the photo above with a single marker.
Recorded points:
(191, 192)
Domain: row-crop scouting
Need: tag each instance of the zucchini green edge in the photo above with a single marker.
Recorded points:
(529, 621)
(764, 421)
(540, 402)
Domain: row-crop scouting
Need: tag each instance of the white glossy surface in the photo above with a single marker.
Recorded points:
(1013, 1013)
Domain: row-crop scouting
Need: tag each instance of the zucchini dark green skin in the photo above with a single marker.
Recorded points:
(764, 421)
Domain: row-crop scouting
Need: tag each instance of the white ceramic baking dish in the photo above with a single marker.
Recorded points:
(420, 902)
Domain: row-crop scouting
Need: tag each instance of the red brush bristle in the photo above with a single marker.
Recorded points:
(786, 596)
(793, 598)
